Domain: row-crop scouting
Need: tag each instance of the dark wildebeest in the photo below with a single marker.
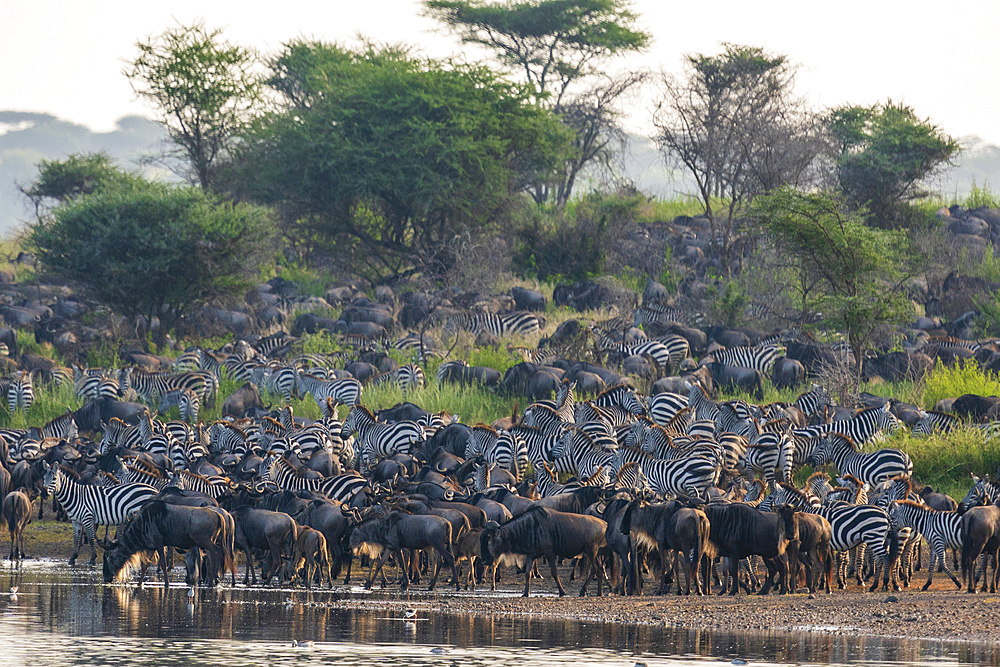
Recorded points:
(542, 532)
(748, 380)
(813, 547)
(241, 400)
(665, 527)
(396, 531)
(275, 532)
(17, 515)
(159, 525)
(739, 531)
(980, 536)
(327, 518)
(310, 553)
(91, 416)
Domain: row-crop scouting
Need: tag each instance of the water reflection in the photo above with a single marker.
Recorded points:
(61, 616)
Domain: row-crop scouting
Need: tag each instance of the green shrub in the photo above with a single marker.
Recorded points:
(953, 381)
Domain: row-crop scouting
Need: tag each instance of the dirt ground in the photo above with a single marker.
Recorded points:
(940, 613)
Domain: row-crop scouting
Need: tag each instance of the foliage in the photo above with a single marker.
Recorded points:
(150, 249)
(389, 157)
(205, 89)
(856, 274)
(77, 175)
(946, 461)
(885, 151)
(573, 245)
(954, 381)
(734, 126)
(729, 305)
(981, 197)
(557, 44)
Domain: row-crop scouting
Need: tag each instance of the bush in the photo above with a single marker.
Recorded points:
(953, 381)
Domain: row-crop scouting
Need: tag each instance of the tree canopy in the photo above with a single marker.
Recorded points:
(734, 125)
(152, 249)
(395, 153)
(885, 151)
(856, 273)
(205, 89)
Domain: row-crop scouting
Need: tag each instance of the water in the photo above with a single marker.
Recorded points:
(62, 616)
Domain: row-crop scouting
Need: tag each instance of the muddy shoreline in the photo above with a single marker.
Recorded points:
(942, 613)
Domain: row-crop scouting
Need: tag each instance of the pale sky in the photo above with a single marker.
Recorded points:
(943, 59)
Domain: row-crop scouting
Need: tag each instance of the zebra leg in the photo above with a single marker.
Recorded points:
(77, 540)
(92, 536)
(930, 569)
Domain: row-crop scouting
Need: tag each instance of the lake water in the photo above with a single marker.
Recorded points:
(62, 616)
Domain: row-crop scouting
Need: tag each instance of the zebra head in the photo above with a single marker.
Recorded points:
(52, 478)
(887, 420)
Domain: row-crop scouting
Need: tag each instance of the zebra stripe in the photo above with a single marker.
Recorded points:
(870, 467)
(519, 323)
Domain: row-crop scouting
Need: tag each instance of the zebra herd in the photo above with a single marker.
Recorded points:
(681, 451)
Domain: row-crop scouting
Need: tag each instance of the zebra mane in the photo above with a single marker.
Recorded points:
(366, 410)
(674, 423)
(191, 475)
(906, 480)
(917, 506)
(485, 427)
(69, 472)
(798, 494)
(621, 386)
(852, 479)
(145, 467)
(846, 438)
(818, 474)
(592, 480)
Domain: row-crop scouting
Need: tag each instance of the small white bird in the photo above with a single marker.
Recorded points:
(411, 613)
(439, 651)
(302, 644)
(191, 592)
(13, 590)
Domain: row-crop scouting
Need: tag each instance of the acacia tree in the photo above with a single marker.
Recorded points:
(393, 156)
(60, 181)
(561, 47)
(151, 249)
(856, 274)
(205, 89)
(734, 125)
(884, 153)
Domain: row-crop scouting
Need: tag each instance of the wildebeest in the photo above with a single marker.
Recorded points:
(310, 553)
(748, 380)
(670, 526)
(812, 548)
(542, 532)
(241, 400)
(91, 416)
(980, 536)
(739, 531)
(274, 532)
(159, 525)
(17, 515)
(396, 531)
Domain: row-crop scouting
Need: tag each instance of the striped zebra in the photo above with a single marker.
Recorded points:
(764, 455)
(188, 360)
(942, 530)
(187, 402)
(984, 491)
(90, 506)
(377, 440)
(812, 401)
(277, 379)
(226, 438)
(272, 346)
(630, 478)
(577, 452)
(215, 486)
(759, 357)
(138, 471)
(932, 421)
(870, 467)
(664, 407)
(620, 396)
(654, 312)
(688, 477)
(117, 433)
(851, 526)
(152, 386)
(340, 392)
(20, 393)
(500, 447)
(520, 323)
(341, 488)
(407, 378)
(655, 350)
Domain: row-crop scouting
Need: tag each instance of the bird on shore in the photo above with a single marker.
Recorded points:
(191, 592)
(302, 644)
(13, 590)
(411, 613)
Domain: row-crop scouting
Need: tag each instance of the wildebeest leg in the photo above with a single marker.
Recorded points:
(772, 570)
(734, 575)
(376, 568)
(528, 565)
(555, 575)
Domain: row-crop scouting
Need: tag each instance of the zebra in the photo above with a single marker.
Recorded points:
(138, 471)
(765, 454)
(690, 477)
(407, 378)
(619, 396)
(984, 490)
(654, 312)
(812, 401)
(272, 346)
(89, 506)
(655, 350)
(187, 403)
(378, 439)
(117, 433)
(759, 357)
(577, 452)
(340, 392)
(152, 386)
(942, 530)
(215, 486)
(870, 467)
(932, 421)
(341, 488)
(20, 394)
(227, 438)
(664, 407)
(520, 323)
(630, 478)
(500, 447)
(851, 526)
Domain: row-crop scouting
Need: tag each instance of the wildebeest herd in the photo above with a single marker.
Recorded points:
(621, 485)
